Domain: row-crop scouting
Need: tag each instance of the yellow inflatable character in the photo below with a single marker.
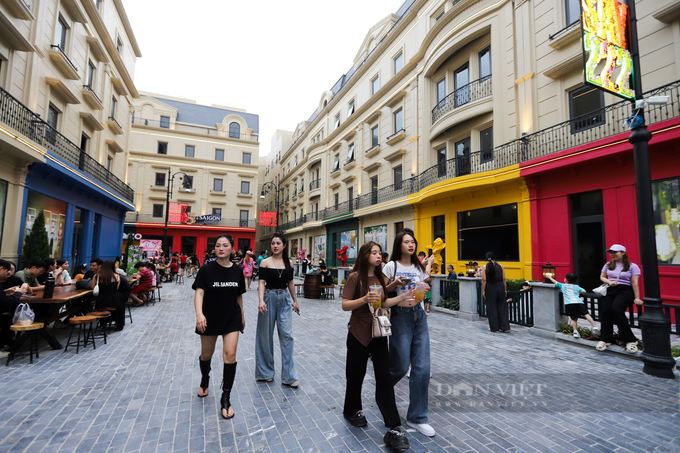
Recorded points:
(437, 248)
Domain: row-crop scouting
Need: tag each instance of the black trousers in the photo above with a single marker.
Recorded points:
(613, 308)
(355, 370)
(497, 307)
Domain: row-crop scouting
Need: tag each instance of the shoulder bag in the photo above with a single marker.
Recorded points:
(95, 291)
(602, 289)
(381, 326)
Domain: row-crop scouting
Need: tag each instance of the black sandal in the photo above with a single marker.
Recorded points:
(205, 376)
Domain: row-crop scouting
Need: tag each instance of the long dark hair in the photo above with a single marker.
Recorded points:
(490, 267)
(107, 272)
(229, 238)
(284, 252)
(361, 268)
(396, 249)
(625, 260)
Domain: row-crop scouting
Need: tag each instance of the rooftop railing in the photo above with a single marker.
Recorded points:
(181, 127)
(20, 118)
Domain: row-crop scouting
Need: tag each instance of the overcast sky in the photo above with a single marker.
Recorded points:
(272, 58)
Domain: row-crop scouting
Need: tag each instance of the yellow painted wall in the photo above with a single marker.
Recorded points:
(469, 193)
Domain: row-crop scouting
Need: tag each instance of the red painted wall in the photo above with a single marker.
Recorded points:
(201, 232)
(605, 165)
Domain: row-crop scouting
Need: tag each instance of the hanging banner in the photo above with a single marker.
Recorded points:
(177, 213)
(607, 61)
(267, 218)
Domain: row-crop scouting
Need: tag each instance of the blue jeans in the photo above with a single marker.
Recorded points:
(280, 314)
(410, 344)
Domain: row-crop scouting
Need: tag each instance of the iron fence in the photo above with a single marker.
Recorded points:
(449, 289)
(212, 131)
(479, 89)
(20, 118)
(521, 307)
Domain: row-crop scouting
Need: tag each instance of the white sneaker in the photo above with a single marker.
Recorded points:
(4, 354)
(576, 334)
(596, 331)
(422, 428)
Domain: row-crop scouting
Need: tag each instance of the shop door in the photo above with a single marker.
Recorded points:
(588, 238)
(77, 247)
(189, 245)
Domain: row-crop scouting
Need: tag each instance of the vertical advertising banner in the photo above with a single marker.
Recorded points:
(377, 234)
(319, 247)
(349, 239)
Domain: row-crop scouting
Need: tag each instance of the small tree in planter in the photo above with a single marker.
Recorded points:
(36, 246)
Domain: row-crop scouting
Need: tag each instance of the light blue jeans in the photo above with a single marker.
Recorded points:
(280, 314)
(410, 344)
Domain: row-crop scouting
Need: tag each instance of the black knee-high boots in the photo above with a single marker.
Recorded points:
(227, 383)
(205, 374)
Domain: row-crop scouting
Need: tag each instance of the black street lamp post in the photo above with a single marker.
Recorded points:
(171, 180)
(269, 187)
(655, 325)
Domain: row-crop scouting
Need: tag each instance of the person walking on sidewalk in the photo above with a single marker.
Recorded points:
(495, 292)
(410, 340)
(219, 287)
(622, 277)
(359, 293)
(276, 292)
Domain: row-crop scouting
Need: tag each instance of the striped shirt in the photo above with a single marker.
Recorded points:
(571, 293)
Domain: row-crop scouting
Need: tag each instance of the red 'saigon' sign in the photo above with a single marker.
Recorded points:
(267, 218)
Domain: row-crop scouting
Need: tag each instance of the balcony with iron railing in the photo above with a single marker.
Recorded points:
(396, 190)
(180, 127)
(63, 62)
(346, 207)
(471, 92)
(294, 223)
(20, 118)
(314, 185)
(135, 217)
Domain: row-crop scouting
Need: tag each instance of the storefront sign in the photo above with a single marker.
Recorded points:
(267, 218)
(207, 219)
(177, 213)
(608, 63)
(151, 245)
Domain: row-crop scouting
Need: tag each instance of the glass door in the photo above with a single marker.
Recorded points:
(461, 80)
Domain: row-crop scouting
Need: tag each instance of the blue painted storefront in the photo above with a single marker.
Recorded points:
(102, 210)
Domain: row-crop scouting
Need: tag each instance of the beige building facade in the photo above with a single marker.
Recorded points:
(209, 155)
(66, 72)
(442, 106)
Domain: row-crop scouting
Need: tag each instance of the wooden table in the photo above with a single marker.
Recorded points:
(68, 296)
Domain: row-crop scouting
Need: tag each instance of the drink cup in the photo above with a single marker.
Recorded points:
(421, 291)
(378, 290)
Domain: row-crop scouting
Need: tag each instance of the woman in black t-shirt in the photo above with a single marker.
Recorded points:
(219, 287)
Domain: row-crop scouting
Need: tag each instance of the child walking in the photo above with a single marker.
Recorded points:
(573, 303)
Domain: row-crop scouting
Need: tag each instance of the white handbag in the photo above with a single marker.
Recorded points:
(95, 291)
(602, 289)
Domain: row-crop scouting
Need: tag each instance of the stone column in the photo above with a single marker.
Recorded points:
(468, 298)
(546, 310)
(436, 288)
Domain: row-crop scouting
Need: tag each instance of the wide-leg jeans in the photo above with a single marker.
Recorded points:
(280, 315)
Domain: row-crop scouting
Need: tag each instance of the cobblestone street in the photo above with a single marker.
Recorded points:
(138, 392)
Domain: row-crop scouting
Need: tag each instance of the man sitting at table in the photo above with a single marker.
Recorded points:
(145, 277)
(50, 266)
(30, 274)
(13, 289)
(95, 265)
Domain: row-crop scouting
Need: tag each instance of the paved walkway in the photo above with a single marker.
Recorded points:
(490, 392)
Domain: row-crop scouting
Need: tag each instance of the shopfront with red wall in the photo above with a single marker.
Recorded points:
(583, 201)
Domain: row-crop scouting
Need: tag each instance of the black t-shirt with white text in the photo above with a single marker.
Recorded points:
(221, 287)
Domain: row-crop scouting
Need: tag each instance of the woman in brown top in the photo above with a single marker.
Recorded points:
(359, 293)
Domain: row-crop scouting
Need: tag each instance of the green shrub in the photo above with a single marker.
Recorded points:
(675, 351)
(344, 280)
(449, 303)
(514, 284)
(36, 245)
(335, 280)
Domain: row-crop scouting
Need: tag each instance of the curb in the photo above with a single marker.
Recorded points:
(445, 311)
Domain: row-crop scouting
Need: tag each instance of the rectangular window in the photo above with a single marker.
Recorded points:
(492, 229)
(336, 163)
(350, 153)
(162, 147)
(84, 141)
(573, 10)
(243, 216)
(485, 63)
(219, 155)
(585, 105)
(439, 15)
(441, 162)
(463, 157)
(336, 198)
(374, 137)
(441, 91)
(109, 163)
(165, 122)
(52, 121)
(188, 182)
(245, 186)
(218, 185)
(398, 120)
(397, 176)
(114, 103)
(666, 202)
(189, 150)
(160, 179)
(217, 211)
(337, 121)
(350, 108)
(158, 210)
(90, 74)
(374, 190)
(188, 209)
(398, 227)
(486, 144)
(246, 158)
(398, 62)
(375, 85)
(60, 34)
(119, 46)
(461, 80)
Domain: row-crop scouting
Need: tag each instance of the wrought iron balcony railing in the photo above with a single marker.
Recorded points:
(89, 88)
(342, 208)
(180, 127)
(397, 190)
(473, 91)
(135, 217)
(20, 118)
(58, 47)
(315, 184)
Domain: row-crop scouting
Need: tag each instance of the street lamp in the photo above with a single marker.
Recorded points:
(171, 179)
(655, 326)
(269, 187)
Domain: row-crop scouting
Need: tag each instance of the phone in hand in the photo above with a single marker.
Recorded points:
(406, 281)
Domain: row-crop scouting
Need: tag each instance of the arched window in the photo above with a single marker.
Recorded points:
(234, 130)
